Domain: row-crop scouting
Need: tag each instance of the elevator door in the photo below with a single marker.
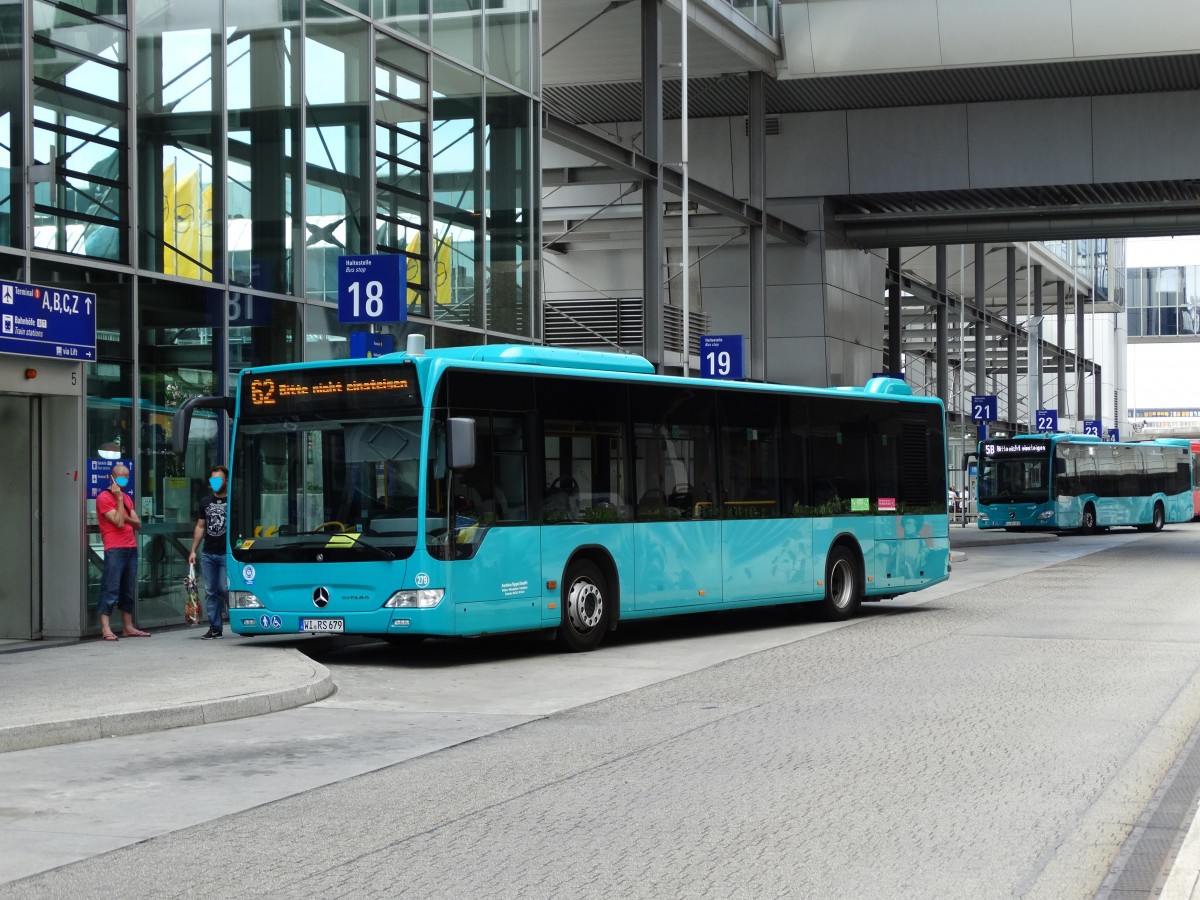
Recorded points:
(20, 480)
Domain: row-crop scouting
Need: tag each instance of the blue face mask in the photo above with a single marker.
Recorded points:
(216, 482)
(122, 480)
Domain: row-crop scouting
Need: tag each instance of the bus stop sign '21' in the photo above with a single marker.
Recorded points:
(46, 321)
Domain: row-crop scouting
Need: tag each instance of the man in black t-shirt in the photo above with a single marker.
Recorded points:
(210, 525)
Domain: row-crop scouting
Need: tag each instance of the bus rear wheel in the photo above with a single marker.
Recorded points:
(1158, 519)
(586, 608)
(1087, 524)
(843, 590)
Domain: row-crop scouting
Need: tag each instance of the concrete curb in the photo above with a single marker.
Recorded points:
(998, 539)
(204, 712)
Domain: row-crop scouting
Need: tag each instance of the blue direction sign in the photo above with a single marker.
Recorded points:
(1046, 420)
(1114, 435)
(985, 408)
(1092, 427)
(47, 321)
(721, 356)
(364, 345)
(371, 288)
(98, 470)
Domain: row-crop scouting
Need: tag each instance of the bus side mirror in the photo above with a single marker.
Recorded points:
(181, 423)
(460, 443)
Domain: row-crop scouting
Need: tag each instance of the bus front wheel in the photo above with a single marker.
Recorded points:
(586, 607)
(1088, 524)
(843, 592)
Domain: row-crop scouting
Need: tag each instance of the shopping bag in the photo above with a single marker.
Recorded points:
(191, 611)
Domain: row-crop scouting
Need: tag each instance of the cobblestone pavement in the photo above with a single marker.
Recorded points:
(994, 743)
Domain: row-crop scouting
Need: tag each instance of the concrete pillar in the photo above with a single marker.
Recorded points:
(757, 237)
(1035, 363)
(1010, 275)
(941, 321)
(1061, 314)
(894, 361)
(1080, 356)
(981, 321)
(652, 192)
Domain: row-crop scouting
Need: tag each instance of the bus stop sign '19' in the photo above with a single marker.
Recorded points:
(721, 356)
(371, 288)
(47, 321)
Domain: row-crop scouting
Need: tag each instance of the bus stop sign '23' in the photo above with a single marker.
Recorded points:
(47, 321)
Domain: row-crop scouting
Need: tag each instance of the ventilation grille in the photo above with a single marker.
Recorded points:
(615, 322)
(770, 126)
(914, 463)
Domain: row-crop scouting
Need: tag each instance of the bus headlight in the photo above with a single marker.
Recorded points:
(244, 600)
(427, 598)
(1045, 514)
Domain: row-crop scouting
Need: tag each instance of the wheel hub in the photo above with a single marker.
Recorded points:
(585, 605)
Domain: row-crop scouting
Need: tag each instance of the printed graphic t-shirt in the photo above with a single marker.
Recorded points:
(212, 511)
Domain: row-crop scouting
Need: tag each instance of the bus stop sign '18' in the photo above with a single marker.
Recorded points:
(47, 321)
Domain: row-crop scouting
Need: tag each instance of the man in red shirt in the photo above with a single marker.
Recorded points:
(119, 524)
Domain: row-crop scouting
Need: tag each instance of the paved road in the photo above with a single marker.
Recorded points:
(996, 737)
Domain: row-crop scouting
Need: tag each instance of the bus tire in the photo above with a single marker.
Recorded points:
(586, 607)
(1158, 519)
(843, 586)
(1087, 524)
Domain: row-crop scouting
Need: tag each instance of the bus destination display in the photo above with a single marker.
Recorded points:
(1015, 449)
(341, 390)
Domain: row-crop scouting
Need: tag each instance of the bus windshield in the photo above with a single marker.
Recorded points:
(330, 489)
(1019, 478)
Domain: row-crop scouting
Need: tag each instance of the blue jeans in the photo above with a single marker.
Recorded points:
(118, 580)
(216, 594)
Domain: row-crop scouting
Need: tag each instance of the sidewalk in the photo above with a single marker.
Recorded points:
(974, 536)
(58, 693)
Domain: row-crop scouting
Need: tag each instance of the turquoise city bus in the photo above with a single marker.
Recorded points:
(1078, 482)
(478, 490)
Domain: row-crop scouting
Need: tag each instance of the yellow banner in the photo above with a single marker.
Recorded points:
(168, 222)
(441, 290)
(187, 225)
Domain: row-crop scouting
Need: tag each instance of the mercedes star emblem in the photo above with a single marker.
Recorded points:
(321, 597)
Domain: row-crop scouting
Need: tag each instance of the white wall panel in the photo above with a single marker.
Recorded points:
(1119, 27)
(1147, 136)
(797, 361)
(797, 42)
(1030, 143)
(869, 35)
(796, 310)
(911, 149)
(975, 32)
(825, 37)
(808, 157)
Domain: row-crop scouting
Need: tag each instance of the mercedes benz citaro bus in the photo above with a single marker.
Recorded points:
(503, 488)
(1078, 482)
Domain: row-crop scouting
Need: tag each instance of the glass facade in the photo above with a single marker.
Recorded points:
(1163, 302)
(206, 163)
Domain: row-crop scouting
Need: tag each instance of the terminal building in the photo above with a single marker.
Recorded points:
(934, 190)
